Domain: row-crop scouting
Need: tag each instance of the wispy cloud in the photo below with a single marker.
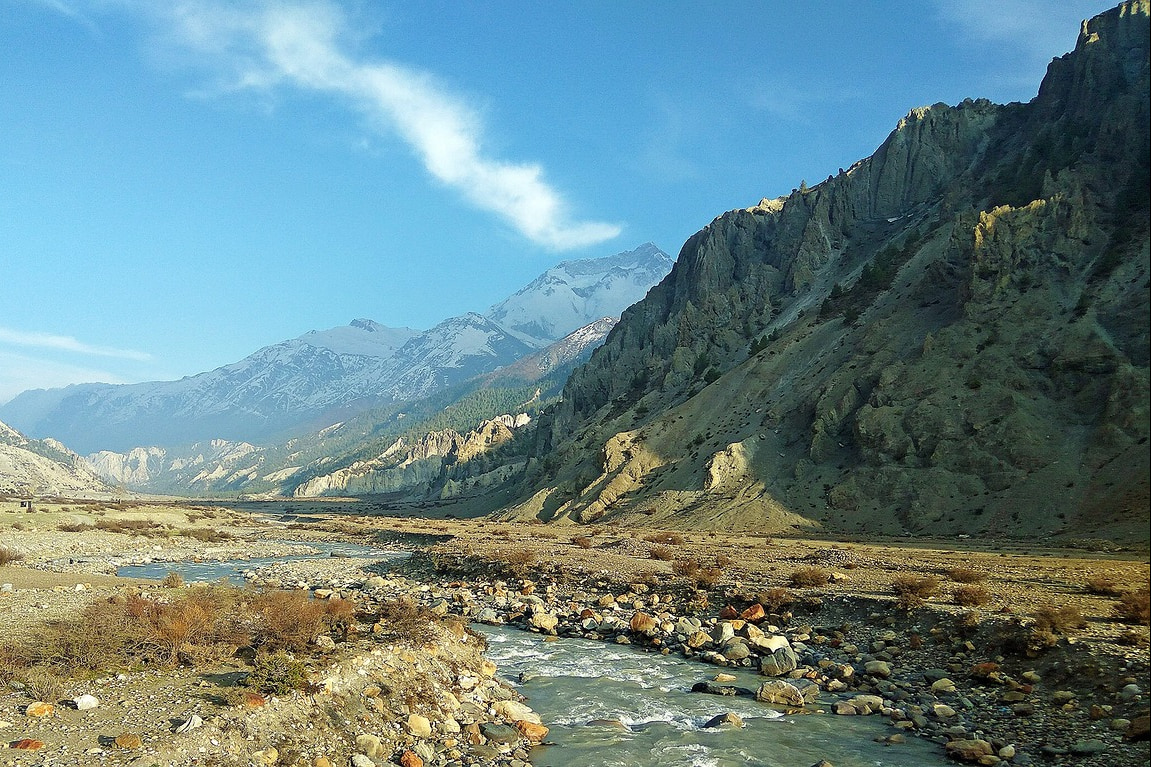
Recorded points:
(48, 341)
(309, 44)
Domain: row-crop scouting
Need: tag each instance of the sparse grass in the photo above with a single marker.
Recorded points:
(809, 577)
(1135, 606)
(517, 561)
(662, 553)
(913, 590)
(582, 541)
(42, 683)
(970, 595)
(144, 527)
(74, 527)
(8, 555)
(966, 575)
(723, 560)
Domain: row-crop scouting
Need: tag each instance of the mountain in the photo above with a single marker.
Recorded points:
(573, 293)
(354, 455)
(950, 337)
(43, 468)
(326, 376)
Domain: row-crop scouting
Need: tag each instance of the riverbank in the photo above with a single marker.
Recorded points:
(983, 676)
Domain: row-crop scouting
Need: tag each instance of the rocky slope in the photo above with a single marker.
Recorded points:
(358, 455)
(43, 467)
(323, 377)
(949, 337)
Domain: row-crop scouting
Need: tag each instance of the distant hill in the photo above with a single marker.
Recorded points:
(322, 377)
(43, 468)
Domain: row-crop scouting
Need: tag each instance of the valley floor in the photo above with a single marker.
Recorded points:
(1008, 654)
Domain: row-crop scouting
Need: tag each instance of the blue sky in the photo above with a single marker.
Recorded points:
(183, 182)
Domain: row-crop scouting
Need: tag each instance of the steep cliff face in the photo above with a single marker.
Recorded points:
(950, 336)
(40, 467)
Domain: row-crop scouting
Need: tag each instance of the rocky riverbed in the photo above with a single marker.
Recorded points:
(975, 680)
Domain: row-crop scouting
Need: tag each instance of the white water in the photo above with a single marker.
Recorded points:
(610, 705)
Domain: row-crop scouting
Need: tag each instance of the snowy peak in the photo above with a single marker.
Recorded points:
(573, 294)
(361, 337)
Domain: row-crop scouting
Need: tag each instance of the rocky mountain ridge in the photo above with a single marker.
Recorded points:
(949, 337)
(322, 377)
(35, 468)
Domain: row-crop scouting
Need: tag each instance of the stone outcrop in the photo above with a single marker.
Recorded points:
(948, 337)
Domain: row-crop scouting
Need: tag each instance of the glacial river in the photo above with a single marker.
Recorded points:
(610, 705)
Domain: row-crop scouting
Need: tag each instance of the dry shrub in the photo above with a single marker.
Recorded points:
(707, 577)
(406, 620)
(288, 619)
(807, 577)
(723, 560)
(74, 527)
(518, 561)
(582, 541)
(966, 575)
(1049, 623)
(970, 596)
(173, 580)
(685, 567)
(913, 590)
(1103, 586)
(665, 538)
(131, 526)
(1135, 606)
(206, 534)
(8, 556)
(774, 598)
(43, 683)
(662, 553)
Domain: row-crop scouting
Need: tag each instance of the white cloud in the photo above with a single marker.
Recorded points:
(66, 344)
(264, 45)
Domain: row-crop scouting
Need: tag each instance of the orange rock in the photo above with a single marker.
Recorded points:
(254, 699)
(40, 709)
(130, 741)
(409, 759)
(27, 744)
(531, 730)
(641, 623)
(754, 613)
(728, 612)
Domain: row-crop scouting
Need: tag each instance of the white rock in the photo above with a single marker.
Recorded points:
(189, 724)
(86, 702)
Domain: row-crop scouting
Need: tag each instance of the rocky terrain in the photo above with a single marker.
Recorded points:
(1039, 669)
(31, 467)
(949, 337)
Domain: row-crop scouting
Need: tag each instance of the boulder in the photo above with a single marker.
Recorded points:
(778, 663)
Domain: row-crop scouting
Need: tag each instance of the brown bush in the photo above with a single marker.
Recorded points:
(405, 620)
(971, 596)
(665, 538)
(685, 567)
(1103, 586)
(582, 541)
(1063, 621)
(518, 561)
(131, 526)
(707, 577)
(808, 577)
(723, 560)
(8, 556)
(966, 575)
(913, 590)
(206, 534)
(774, 598)
(662, 553)
(74, 527)
(288, 619)
(1135, 606)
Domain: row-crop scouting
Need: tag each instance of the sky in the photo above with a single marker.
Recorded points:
(184, 182)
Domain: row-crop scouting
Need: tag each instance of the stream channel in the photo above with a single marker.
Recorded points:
(610, 705)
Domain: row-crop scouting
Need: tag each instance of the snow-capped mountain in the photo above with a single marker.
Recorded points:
(325, 376)
(573, 294)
